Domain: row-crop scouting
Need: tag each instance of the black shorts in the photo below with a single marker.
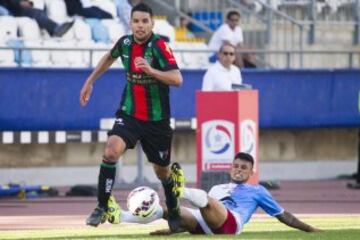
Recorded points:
(155, 136)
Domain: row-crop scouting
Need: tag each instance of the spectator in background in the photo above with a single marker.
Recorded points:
(85, 8)
(223, 73)
(184, 28)
(24, 8)
(123, 9)
(229, 32)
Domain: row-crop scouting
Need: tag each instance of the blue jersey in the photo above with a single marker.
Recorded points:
(245, 198)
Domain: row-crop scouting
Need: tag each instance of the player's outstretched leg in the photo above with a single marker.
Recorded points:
(114, 211)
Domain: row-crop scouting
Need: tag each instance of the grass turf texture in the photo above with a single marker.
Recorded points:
(335, 228)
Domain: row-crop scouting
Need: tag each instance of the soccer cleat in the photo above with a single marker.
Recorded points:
(114, 211)
(97, 216)
(177, 175)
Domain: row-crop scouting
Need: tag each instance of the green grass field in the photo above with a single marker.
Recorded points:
(335, 228)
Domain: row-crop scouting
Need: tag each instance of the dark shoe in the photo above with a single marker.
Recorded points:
(62, 29)
(98, 216)
(174, 219)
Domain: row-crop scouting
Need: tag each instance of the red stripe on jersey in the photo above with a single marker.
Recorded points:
(139, 94)
(136, 51)
(166, 51)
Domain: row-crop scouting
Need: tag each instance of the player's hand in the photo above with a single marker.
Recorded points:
(85, 94)
(143, 65)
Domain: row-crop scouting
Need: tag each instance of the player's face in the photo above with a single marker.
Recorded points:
(141, 26)
(240, 171)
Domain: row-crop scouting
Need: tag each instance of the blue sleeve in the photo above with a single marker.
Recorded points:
(268, 203)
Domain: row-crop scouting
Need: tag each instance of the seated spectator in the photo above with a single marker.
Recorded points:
(3, 10)
(123, 9)
(24, 8)
(85, 9)
(246, 60)
(183, 32)
(223, 73)
(229, 32)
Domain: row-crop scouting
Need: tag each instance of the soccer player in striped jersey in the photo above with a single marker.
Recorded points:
(144, 112)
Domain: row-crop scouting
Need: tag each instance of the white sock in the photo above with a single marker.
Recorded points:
(126, 216)
(196, 197)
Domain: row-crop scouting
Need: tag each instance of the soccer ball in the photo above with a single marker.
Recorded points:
(143, 202)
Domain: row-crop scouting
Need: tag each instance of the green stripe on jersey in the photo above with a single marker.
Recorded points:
(155, 102)
(128, 104)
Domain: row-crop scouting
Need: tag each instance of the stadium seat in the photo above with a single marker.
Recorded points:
(8, 28)
(7, 58)
(192, 60)
(82, 31)
(97, 55)
(39, 4)
(28, 28)
(39, 58)
(114, 28)
(57, 57)
(98, 31)
(56, 10)
(163, 27)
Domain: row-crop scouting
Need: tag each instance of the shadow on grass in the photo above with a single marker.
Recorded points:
(341, 234)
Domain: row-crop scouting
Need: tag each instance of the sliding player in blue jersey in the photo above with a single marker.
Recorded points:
(227, 207)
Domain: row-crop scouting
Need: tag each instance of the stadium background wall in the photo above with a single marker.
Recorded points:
(304, 114)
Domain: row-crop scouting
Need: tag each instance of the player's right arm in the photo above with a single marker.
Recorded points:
(104, 64)
(106, 61)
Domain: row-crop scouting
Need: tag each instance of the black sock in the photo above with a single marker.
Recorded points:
(171, 200)
(106, 182)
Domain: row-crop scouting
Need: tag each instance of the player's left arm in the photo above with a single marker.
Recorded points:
(272, 207)
(292, 221)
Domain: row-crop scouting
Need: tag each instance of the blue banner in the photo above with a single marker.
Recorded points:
(48, 99)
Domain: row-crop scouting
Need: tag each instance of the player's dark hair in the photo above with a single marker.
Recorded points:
(231, 13)
(245, 157)
(142, 7)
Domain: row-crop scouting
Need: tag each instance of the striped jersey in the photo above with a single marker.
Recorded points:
(144, 97)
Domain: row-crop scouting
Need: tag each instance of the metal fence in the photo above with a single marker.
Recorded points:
(269, 59)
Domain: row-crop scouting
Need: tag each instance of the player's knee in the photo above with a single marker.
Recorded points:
(212, 203)
(111, 155)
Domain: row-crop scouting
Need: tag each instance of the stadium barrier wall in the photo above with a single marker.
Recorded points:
(48, 99)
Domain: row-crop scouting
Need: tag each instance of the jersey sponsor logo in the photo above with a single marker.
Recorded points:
(217, 142)
(127, 41)
(248, 133)
(125, 56)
